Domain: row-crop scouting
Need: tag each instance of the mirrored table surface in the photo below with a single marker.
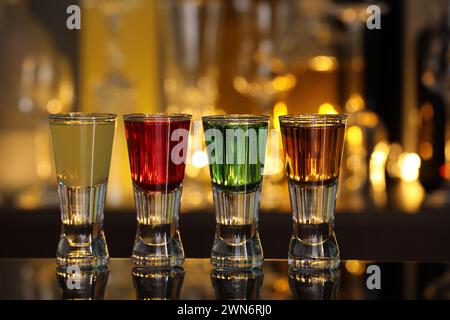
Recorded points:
(43, 279)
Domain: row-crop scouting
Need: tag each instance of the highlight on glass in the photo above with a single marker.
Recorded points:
(157, 149)
(82, 145)
(236, 147)
(313, 146)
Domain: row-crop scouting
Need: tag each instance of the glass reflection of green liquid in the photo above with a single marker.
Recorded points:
(236, 162)
(82, 152)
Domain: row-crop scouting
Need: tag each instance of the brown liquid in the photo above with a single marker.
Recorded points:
(313, 153)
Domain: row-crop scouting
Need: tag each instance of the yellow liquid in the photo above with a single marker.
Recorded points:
(82, 152)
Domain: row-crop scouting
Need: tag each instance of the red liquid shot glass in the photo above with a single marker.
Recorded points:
(157, 149)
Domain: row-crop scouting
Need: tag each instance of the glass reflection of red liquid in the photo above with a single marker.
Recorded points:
(150, 145)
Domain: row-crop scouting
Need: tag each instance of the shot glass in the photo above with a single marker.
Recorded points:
(82, 145)
(313, 145)
(157, 148)
(236, 146)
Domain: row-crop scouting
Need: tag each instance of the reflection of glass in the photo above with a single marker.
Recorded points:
(235, 284)
(264, 51)
(157, 283)
(236, 146)
(190, 35)
(81, 283)
(82, 145)
(157, 147)
(310, 285)
(313, 147)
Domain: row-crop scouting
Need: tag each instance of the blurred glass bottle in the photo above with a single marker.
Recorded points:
(432, 113)
(435, 81)
(35, 81)
(190, 35)
(116, 93)
(365, 129)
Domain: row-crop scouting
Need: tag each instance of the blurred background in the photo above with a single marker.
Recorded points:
(237, 56)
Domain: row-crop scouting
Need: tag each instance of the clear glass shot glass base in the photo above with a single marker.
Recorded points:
(158, 242)
(82, 241)
(313, 243)
(236, 243)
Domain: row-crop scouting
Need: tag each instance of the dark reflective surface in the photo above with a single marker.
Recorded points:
(36, 279)
(82, 283)
(157, 283)
(237, 284)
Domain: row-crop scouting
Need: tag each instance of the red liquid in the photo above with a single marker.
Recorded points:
(150, 148)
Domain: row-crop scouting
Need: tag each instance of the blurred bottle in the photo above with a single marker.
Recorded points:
(365, 129)
(35, 81)
(432, 112)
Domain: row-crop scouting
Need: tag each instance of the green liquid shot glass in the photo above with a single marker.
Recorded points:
(236, 147)
(82, 146)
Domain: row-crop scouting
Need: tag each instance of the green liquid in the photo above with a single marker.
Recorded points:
(236, 153)
(82, 152)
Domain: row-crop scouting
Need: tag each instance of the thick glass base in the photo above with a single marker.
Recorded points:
(236, 247)
(158, 242)
(307, 254)
(236, 244)
(83, 245)
(82, 240)
(313, 243)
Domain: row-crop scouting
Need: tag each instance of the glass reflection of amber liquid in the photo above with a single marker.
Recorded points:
(313, 153)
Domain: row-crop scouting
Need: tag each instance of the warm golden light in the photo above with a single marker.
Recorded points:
(354, 103)
(367, 119)
(409, 164)
(377, 167)
(284, 83)
(327, 108)
(428, 78)
(426, 150)
(200, 159)
(426, 111)
(355, 267)
(349, 15)
(410, 195)
(354, 135)
(279, 109)
(281, 285)
(323, 63)
(54, 106)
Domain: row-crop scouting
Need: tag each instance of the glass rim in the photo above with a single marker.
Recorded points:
(313, 119)
(148, 117)
(237, 117)
(83, 117)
